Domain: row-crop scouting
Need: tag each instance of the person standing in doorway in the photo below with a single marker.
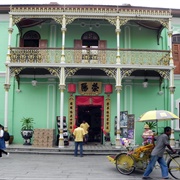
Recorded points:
(85, 126)
(157, 155)
(79, 136)
(2, 142)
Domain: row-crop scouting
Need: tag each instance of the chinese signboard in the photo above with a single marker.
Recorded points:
(90, 88)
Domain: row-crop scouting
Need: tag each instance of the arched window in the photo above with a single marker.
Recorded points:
(31, 39)
(90, 38)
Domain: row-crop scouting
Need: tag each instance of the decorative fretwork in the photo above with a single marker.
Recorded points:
(15, 70)
(165, 23)
(107, 113)
(35, 55)
(90, 9)
(164, 73)
(55, 71)
(122, 21)
(70, 71)
(145, 57)
(69, 19)
(16, 19)
(126, 72)
(102, 57)
(71, 112)
(110, 72)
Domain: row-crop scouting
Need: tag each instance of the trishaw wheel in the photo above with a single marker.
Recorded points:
(125, 163)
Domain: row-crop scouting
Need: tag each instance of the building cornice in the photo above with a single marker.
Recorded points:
(89, 9)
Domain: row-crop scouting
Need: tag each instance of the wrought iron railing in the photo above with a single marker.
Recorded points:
(89, 56)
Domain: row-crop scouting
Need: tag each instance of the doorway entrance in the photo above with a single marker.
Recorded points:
(92, 115)
(91, 109)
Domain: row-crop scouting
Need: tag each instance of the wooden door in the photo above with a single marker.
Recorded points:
(102, 51)
(77, 51)
(43, 43)
(176, 58)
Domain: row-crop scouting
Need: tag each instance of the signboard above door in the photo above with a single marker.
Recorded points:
(90, 88)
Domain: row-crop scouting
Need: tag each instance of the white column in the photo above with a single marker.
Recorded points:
(118, 40)
(63, 29)
(172, 90)
(171, 87)
(6, 87)
(7, 76)
(118, 89)
(61, 87)
(10, 30)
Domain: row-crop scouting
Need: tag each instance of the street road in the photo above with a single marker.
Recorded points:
(62, 167)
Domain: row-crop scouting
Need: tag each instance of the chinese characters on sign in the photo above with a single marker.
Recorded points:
(90, 88)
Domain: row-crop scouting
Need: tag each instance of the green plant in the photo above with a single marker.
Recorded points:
(27, 123)
(152, 125)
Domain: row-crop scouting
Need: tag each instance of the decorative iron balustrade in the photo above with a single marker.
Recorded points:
(89, 56)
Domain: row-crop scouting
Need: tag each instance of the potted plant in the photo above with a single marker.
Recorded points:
(27, 129)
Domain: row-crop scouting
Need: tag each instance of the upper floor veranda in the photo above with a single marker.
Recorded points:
(89, 35)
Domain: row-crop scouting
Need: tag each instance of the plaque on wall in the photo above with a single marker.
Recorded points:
(90, 88)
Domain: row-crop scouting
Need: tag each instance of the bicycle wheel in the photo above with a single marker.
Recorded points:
(125, 163)
(174, 167)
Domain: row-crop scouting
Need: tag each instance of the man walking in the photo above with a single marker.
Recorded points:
(79, 136)
(157, 155)
(85, 126)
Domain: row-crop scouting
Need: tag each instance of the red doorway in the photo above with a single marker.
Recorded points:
(91, 109)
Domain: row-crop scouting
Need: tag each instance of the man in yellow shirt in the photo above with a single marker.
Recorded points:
(85, 126)
(79, 136)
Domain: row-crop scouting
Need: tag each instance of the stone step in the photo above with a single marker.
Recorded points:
(67, 150)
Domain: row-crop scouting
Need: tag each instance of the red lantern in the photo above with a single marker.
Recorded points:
(71, 88)
(108, 88)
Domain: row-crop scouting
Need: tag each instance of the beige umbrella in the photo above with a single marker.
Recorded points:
(157, 115)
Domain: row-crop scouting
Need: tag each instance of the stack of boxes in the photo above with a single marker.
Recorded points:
(44, 137)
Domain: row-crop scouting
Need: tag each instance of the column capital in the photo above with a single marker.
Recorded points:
(63, 29)
(170, 32)
(7, 87)
(172, 89)
(62, 86)
(118, 88)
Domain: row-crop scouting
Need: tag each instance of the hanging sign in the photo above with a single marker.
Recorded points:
(90, 88)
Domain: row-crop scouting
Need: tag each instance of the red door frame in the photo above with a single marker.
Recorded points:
(90, 100)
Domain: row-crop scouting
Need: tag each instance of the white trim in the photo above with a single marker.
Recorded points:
(53, 36)
(51, 107)
(126, 95)
(177, 121)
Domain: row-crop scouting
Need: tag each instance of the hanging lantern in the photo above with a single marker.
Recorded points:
(108, 88)
(71, 88)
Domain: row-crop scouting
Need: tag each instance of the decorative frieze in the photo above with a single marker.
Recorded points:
(91, 9)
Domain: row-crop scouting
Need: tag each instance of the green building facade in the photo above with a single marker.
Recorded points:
(93, 49)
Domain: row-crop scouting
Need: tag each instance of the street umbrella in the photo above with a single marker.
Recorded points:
(157, 115)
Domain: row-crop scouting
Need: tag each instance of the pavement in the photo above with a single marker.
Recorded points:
(20, 166)
(37, 163)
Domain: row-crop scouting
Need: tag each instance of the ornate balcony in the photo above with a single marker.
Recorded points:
(106, 57)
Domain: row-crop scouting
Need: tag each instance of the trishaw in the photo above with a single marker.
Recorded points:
(138, 158)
